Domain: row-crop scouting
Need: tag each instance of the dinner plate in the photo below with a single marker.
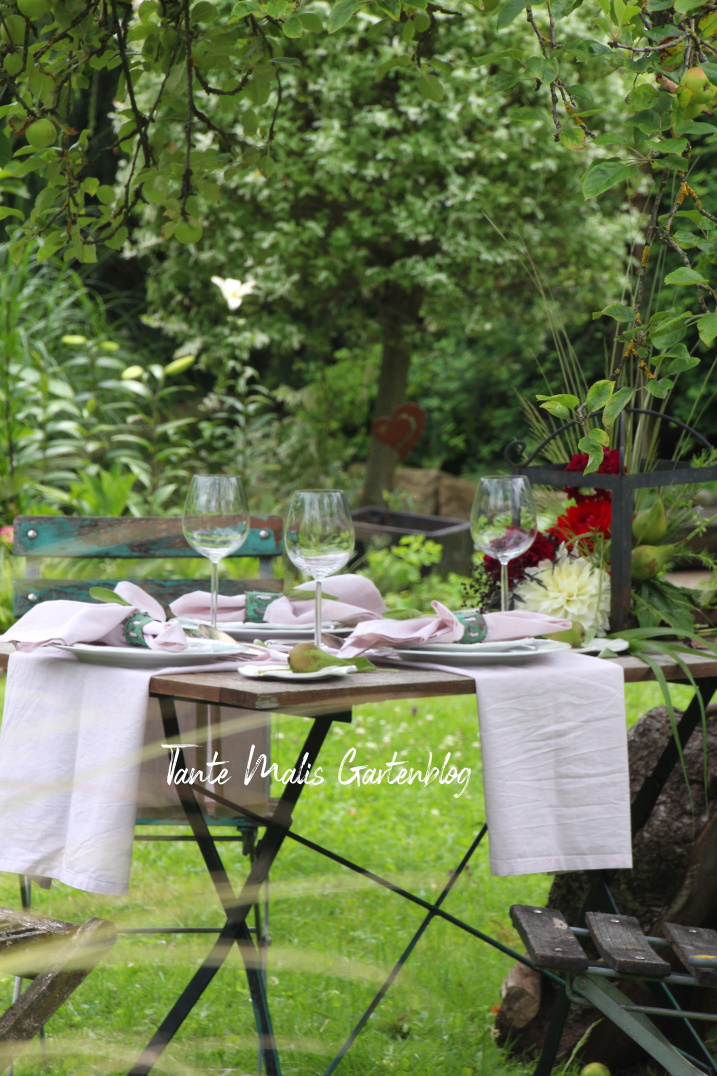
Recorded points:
(198, 652)
(269, 672)
(470, 654)
(503, 646)
(248, 632)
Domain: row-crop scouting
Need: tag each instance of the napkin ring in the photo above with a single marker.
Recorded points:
(257, 603)
(475, 628)
(133, 629)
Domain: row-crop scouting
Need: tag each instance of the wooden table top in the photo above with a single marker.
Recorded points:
(329, 696)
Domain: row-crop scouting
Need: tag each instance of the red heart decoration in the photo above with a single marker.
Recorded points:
(402, 430)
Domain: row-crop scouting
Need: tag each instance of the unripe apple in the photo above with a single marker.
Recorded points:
(41, 133)
(595, 1068)
(696, 93)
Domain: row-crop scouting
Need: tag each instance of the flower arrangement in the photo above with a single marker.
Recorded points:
(566, 572)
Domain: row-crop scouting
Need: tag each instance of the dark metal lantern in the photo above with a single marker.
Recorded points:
(621, 486)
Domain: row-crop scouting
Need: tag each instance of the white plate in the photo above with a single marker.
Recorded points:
(506, 646)
(198, 652)
(249, 632)
(598, 645)
(273, 672)
(467, 655)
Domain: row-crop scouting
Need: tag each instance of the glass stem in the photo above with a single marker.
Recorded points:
(317, 614)
(215, 592)
(504, 586)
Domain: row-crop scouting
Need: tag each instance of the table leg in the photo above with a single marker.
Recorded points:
(237, 908)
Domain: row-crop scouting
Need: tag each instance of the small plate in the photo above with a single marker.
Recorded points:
(466, 655)
(198, 652)
(598, 645)
(274, 672)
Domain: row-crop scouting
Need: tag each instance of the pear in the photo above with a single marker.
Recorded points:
(648, 560)
(307, 657)
(650, 526)
(696, 93)
(575, 635)
(595, 1068)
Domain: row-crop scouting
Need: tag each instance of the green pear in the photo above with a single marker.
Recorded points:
(650, 526)
(575, 635)
(307, 657)
(648, 560)
(595, 1068)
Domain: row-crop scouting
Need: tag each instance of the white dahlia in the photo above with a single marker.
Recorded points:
(569, 587)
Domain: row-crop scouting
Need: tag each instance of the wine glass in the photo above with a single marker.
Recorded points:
(215, 521)
(503, 521)
(319, 538)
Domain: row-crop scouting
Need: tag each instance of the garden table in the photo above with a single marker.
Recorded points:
(322, 703)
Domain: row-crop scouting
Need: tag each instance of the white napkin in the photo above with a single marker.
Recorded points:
(71, 622)
(359, 599)
(445, 627)
(555, 769)
(70, 747)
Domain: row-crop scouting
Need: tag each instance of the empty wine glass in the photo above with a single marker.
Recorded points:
(319, 538)
(215, 522)
(503, 522)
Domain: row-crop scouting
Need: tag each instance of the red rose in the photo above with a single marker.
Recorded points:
(543, 548)
(583, 521)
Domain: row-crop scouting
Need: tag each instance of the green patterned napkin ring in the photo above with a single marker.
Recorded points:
(474, 626)
(257, 604)
(132, 629)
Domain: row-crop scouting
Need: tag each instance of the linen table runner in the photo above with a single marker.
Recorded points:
(70, 751)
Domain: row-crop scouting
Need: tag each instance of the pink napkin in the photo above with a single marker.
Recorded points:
(446, 628)
(198, 604)
(69, 622)
(359, 599)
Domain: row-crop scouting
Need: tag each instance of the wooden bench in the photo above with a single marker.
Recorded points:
(57, 956)
(624, 952)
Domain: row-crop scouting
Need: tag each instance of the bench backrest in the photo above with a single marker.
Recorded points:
(36, 537)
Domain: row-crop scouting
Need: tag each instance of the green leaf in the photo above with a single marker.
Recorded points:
(392, 8)
(342, 13)
(526, 115)
(188, 231)
(617, 402)
(104, 594)
(292, 27)
(660, 387)
(616, 311)
(430, 88)
(598, 394)
(573, 138)
(311, 22)
(599, 436)
(603, 175)
(509, 11)
(707, 328)
(683, 275)
(594, 452)
(557, 409)
(564, 398)
(131, 373)
(678, 366)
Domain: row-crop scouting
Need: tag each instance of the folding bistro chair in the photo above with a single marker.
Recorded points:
(625, 953)
(103, 538)
(57, 956)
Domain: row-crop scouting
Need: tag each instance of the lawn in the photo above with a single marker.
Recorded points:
(334, 937)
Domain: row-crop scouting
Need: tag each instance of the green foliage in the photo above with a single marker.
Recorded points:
(403, 573)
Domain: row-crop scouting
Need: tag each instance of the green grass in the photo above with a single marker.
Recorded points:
(334, 938)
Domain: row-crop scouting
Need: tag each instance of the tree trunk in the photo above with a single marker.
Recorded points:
(401, 312)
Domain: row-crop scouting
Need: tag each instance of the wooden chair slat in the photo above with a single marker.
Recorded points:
(72, 953)
(548, 938)
(689, 942)
(623, 946)
(125, 536)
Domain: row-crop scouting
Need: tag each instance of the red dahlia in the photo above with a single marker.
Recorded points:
(583, 521)
(610, 465)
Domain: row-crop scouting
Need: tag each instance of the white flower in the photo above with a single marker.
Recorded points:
(569, 587)
(233, 290)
